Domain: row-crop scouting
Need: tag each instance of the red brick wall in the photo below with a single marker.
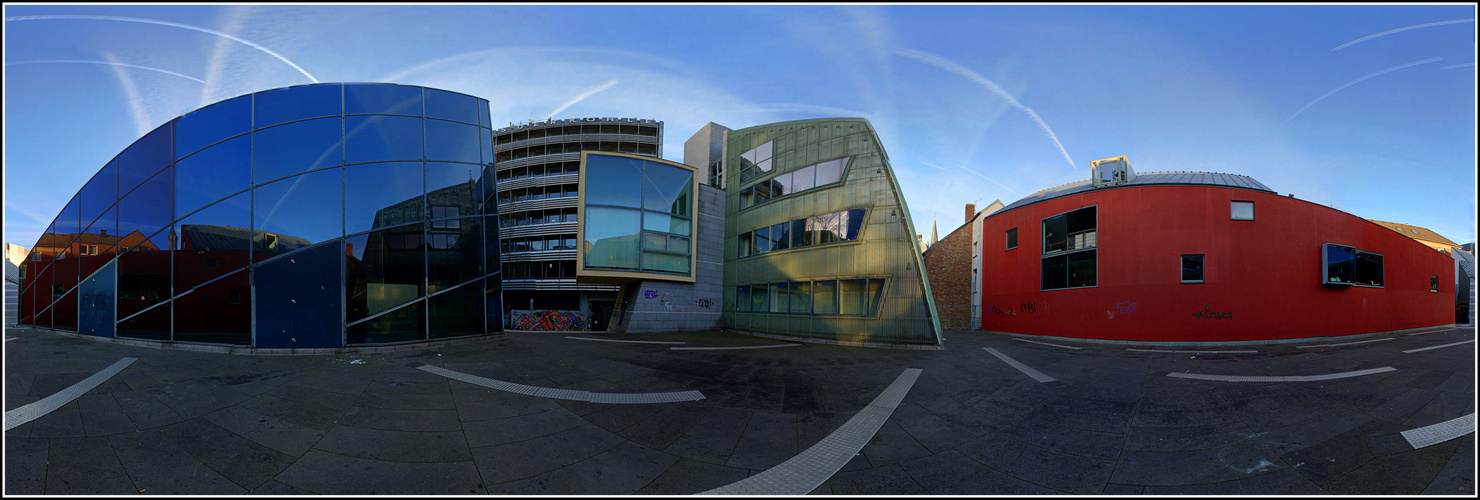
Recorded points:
(948, 266)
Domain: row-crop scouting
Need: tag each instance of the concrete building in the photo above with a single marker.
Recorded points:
(706, 152)
(15, 253)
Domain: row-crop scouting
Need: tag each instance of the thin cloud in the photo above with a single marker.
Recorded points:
(581, 97)
(1354, 82)
(108, 63)
(135, 100)
(1460, 65)
(175, 25)
(994, 181)
(951, 66)
(932, 165)
(1389, 32)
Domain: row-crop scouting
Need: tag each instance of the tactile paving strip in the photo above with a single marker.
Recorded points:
(1440, 432)
(1341, 344)
(1421, 349)
(727, 348)
(803, 473)
(566, 394)
(1291, 378)
(1029, 371)
(33, 411)
(1046, 343)
(626, 341)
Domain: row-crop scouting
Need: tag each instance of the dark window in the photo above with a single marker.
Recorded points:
(742, 298)
(1340, 268)
(384, 269)
(1011, 238)
(1069, 256)
(1433, 283)
(1192, 268)
(1368, 269)
(235, 296)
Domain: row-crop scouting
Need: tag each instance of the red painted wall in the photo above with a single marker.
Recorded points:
(1266, 273)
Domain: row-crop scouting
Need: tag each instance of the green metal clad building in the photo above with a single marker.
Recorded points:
(818, 240)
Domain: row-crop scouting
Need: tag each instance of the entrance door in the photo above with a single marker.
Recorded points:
(601, 311)
(96, 298)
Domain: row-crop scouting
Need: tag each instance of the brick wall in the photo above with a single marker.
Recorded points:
(948, 265)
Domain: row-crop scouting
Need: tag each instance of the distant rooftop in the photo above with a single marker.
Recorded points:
(1146, 179)
(1415, 232)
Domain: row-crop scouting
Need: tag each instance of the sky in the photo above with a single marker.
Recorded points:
(972, 103)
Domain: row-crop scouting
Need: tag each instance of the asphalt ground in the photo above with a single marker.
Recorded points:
(1111, 422)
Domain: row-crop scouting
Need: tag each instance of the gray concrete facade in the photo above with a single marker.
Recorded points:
(705, 151)
(668, 306)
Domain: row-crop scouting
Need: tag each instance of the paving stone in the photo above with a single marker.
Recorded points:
(769, 439)
(1280, 482)
(523, 459)
(1406, 473)
(330, 474)
(159, 467)
(768, 397)
(495, 432)
(321, 418)
(25, 466)
(622, 416)
(1071, 473)
(951, 473)
(1430, 379)
(402, 420)
(472, 407)
(887, 480)
(1100, 416)
(400, 446)
(687, 477)
(1458, 475)
(1187, 467)
(1334, 457)
(65, 421)
(664, 427)
(1068, 440)
(280, 435)
(892, 445)
(102, 415)
(55, 382)
(931, 431)
(277, 488)
(1405, 405)
(1310, 432)
(1123, 489)
(1444, 407)
(397, 401)
(244, 462)
(623, 470)
(85, 466)
(1196, 437)
(316, 397)
(713, 438)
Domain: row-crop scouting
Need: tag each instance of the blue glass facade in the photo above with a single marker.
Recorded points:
(312, 216)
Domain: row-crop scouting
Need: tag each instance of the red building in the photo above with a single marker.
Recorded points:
(1200, 257)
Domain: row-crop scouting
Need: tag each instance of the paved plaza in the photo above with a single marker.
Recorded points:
(991, 414)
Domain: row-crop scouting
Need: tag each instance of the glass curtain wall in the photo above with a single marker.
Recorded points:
(637, 215)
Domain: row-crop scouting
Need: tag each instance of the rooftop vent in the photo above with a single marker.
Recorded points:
(1111, 171)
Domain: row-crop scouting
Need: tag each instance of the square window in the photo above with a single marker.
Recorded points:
(1011, 238)
(1242, 210)
(1192, 268)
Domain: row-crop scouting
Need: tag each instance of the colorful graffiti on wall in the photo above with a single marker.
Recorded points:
(992, 309)
(548, 321)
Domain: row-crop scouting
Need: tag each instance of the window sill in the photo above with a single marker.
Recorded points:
(1197, 281)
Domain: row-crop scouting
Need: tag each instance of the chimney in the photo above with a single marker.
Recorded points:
(970, 211)
(104, 232)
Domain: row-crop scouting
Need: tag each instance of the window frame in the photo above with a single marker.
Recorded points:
(1232, 214)
(1012, 239)
(1065, 253)
(1202, 270)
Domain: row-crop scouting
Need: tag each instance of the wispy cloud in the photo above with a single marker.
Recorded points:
(953, 67)
(932, 165)
(175, 25)
(1389, 32)
(994, 181)
(1460, 65)
(1354, 82)
(131, 91)
(810, 109)
(107, 63)
(581, 97)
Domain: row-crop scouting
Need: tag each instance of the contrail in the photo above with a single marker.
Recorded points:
(994, 181)
(932, 165)
(1350, 83)
(581, 97)
(808, 108)
(176, 25)
(135, 101)
(958, 69)
(1389, 32)
(1460, 65)
(107, 63)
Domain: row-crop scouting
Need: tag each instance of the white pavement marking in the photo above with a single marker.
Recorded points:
(1046, 343)
(1290, 378)
(1347, 343)
(1198, 352)
(1410, 351)
(567, 394)
(724, 348)
(12, 338)
(33, 411)
(1037, 375)
(626, 341)
(806, 471)
(1440, 432)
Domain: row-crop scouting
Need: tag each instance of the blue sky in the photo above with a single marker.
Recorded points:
(972, 103)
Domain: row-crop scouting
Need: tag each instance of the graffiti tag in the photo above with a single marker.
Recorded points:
(1207, 313)
(1027, 307)
(1126, 307)
(704, 302)
(548, 321)
(650, 294)
(999, 312)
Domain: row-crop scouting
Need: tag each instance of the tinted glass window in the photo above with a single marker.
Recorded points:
(382, 138)
(145, 211)
(211, 124)
(1082, 268)
(852, 224)
(1011, 238)
(612, 180)
(491, 245)
(143, 281)
(277, 106)
(781, 185)
(212, 174)
(456, 312)
(486, 139)
(743, 245)
(145, 157)
(760, 300)
(661, 262)
(102, 236)
(1055, 231)
(781, 236)
(611, 237)
(875, 295)
(742, 298)
(801, 297)
(100, 192)
(381, 195)
(667, 189)
(298, 211)
(382, 99)
(402, 325)
(803, 179)
(212, 242)
(1368, 269)
(452, 185)
(1055, 273)
(851, 298)
(779, 297)
(218, 313)
(384, 269)
(799, 235)
(1340, 267)
(296, 147)
(151, 325)
(1192, 268)
(825, 297)
(483, 115)
(69, 221)
(448, 141)
(763, 240)
(453, 256)
(450, 106)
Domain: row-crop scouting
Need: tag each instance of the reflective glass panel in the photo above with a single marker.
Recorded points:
(1340, 266)
(800, 237)
(744, 245)
(803, 179)
(779, 297)
(1082, 268)
(668, 189)
(745, 197)
(457, 312)
(402, 325)
(611, 237)
(875, 295)
(780, 185)
(212, 242)
(100, 239)
(763, 240)
(448, 141)
(145, 157)
(298, 211)
(1055, 232)
(451, 106)
(211, 124)
(742, 298)
(212, 174)
(381, 195)
(483, 116)
(143, 281)
(781, 236)
(99, 193)
(661, 262)
(218, 313)
(762, 192)
(486, 138)
(1368, 269)
(493, 305)
(381, 138)
(830, 171)
(282, 105)
(383, 269)
(452, 185)
(763, 152)
(612, 180)
(851, 299)
(68, 222)
(296, 147)
(666, 224)
(759, 300)
(491, 259)
(453, 256)
(1055, 273)
(152, 325)
(801, 297)
(382, 99)
(852, 224)
(145, 211)
(825, 297)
